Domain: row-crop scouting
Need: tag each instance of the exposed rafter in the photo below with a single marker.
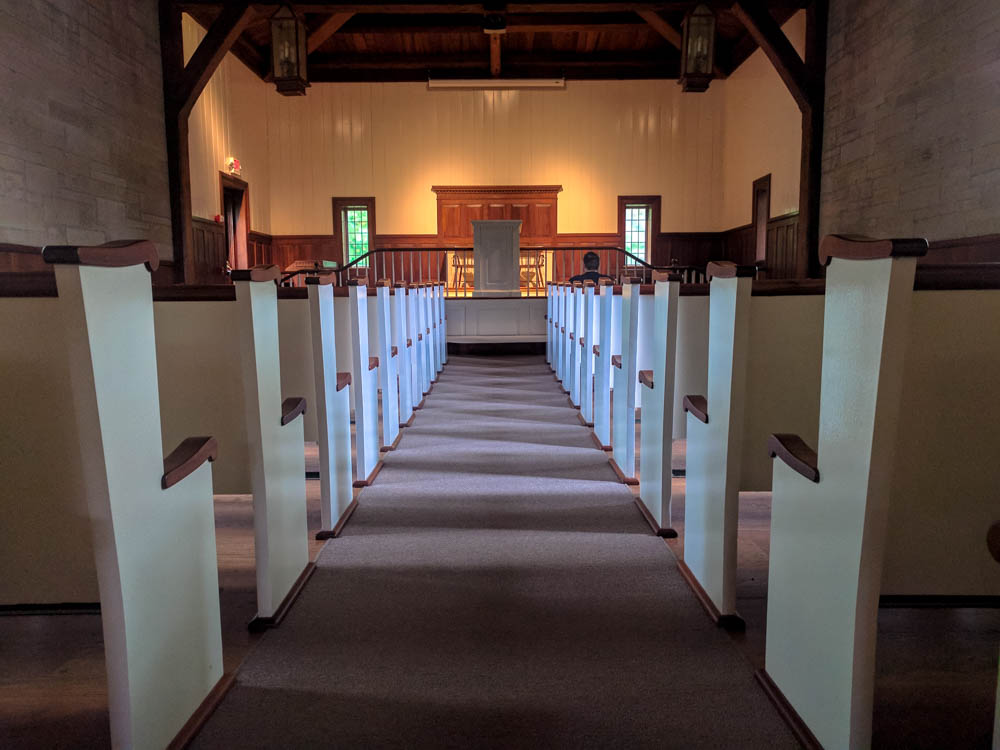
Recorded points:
(495, 54)
(773, 42)
(329, 27)
(664, 29)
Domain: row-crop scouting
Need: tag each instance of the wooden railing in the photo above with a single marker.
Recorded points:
(455, 267)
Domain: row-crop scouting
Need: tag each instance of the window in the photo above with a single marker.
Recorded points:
(354, 229)
(637, 229)
(355, 233)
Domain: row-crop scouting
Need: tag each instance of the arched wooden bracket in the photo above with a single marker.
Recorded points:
(697, 406)
(606, 282)
(571, 337)
(321, 279)
(394, 351)
(993, 541)
(428, 331)
(646, 378)
(117, 254)
(420, 337)
(409, 343)
(343, 380)
(793, 451)
(257, 273)
(583, 341)
(597, 350)
(291, 408)
(857, 247)
(562, 330)
(725, 269)
(186, 457)
(616, 361)
(588, 282)
(372, 363)
(384, 282)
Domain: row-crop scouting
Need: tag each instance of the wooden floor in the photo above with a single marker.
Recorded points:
(936, 668)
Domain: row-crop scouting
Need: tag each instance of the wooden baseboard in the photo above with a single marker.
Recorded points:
(938, 601)
(732, 623)
(204, 711)
(597, 441)
(583, 421)
(58, 608)
(370, 478)
(408, 422)
(395, 444)
(788, 714)
(660, 531)
(260, 623)
(631, 481)
(341, 523)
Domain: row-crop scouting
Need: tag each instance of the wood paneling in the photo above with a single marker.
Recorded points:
(982, 249)
(208, 251)
(783, 262)
(536, 206)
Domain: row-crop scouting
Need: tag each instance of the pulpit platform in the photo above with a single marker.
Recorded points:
(498, 319)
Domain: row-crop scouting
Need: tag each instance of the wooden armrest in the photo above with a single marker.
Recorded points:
(725, 269)
(115, 254)
(646, 378)
(428, 331)
(186, 457)
(697, 406)
(793, 451)
(571, 336)
(616, 361)
(343, 380)
(323, 278)
(257, 273)
(291, 408)
(394, 351)
(856, 247)
(372, 363)
(583, 341)
(597, 351)
(420, 337)
(993, 541)
(409, 343)
(562, 330)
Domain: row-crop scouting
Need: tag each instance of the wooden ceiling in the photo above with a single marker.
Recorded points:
(420, 40)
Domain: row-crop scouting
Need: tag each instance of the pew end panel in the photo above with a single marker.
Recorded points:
(297, 372)
(47, 553)
(691, 372)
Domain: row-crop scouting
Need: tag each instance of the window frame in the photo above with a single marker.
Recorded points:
(652, 202)
(340, 207)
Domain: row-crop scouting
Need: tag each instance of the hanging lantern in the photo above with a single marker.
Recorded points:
(698, 50)
(288, 52)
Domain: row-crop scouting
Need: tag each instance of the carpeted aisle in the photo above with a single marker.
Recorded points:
(496, 588)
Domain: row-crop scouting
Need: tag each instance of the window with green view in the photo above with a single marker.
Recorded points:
(356, 233)
(637, 230)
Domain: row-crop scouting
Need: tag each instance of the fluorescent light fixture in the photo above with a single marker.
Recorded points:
(496, 83)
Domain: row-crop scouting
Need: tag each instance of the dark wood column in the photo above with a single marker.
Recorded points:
(182, 84)
(806, 83)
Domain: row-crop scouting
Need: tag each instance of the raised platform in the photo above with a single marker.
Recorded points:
(492, 320)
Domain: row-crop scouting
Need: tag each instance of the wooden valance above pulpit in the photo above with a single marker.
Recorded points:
(534, 205)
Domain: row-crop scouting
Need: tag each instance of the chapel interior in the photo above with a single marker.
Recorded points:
(568, 374)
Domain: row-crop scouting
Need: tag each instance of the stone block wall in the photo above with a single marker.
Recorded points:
(82, 145)
(912, 137)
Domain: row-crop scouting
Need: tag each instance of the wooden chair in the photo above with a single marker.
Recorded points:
(463, 270)
(532, 271)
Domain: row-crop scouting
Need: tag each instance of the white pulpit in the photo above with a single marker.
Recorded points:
(496, 247)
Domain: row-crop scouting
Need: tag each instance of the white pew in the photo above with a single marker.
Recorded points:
(902, 484)
(333, 410)
(558, 323)
(565, 329)
(442, 322)
(549, 322)
(404, 344)
(218, 357)
(763, 372)
(430, 338)
(388, 371)
(603, 350)
(656, 443)
(624, 382)
(586, 339)
(364, 381)
(573, 331)
(414, 337)
(152, 517)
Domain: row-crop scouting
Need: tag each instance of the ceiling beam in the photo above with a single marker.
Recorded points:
(223, 32)
(495, 54)
(417, 6)
(772, 40)
(328, 28)
(661, 27)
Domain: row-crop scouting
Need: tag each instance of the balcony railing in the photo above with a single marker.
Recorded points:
(455, 267)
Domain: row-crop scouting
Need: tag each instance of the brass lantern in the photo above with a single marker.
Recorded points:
(698, 50)
(288, 52)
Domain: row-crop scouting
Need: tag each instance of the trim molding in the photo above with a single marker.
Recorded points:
(203, 713)
(259, 623)
(341, 523)
(371, 477)
(59, 608)
(631, 481)
(788, 714)
(732, 623)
